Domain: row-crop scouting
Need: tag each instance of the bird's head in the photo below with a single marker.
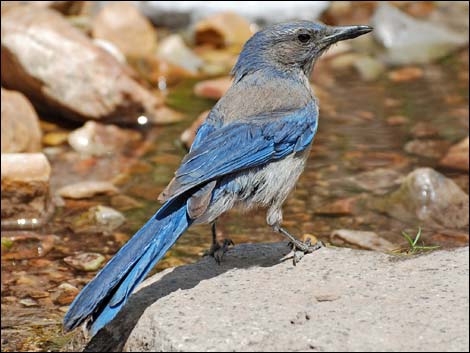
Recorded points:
(291, 46)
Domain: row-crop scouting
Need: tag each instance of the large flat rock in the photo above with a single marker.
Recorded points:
(335, 299)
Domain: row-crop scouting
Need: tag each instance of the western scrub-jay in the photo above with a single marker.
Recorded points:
(249, 152)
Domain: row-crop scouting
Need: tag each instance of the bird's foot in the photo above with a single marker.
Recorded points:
(300, 249)
(217, 251)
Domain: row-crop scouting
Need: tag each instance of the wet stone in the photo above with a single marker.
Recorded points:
(19, 246)
(361, 239)
(87, 189)
(427, 196)
(427, 148)
(342, 207)
(66, 292)
(125, 203)
(405, 74)
(422, 130)
(85, 261)
(457, 156)
(25, 189)
(98, 219)
(396, 120)
(377, 181)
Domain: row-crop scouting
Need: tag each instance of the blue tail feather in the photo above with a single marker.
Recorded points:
(102, 298)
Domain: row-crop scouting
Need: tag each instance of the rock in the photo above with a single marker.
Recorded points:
(377, 181)
(122, 24)
(217, 62)
(408, 40)
(255, 302)
(213, 89)
(427, 148)
(26, 245)
(188, 135)
(364, 240)
(28, 302)
(101, 219)
(97, 139)
(86, 189)
(166, 115)
(111, 49)
(342, 207)
(369, 68)
(85, 261)
(396, 120)
(25, 189)
(422, 130)
(428, 197)
(67, 74)
(20, 124)
(69, 8)
(174, 50)
(457, 156)
(125, 203)
(66, 292)
(406, 74)
(223, 30)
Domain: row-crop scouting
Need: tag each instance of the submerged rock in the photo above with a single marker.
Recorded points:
(97, 139)
(377, 181)
(25, 189)
(408, 40)
(122, 24)
(427, 148)
(428, 197)
(66, 292)
(20, 124)
(85, 261)
(67, 74)
(364, 240)
(213, 89)
(101, 219)
(26, 245)
(222, 30)
(457, 156)
(87, 189)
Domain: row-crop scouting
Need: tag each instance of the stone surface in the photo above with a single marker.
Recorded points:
(20, 124)
(223, 29)
(99, 219)
(85, 261)
(60, 70)
(122, 24)
(98, 139)
(335, 299)
(361, 239)
(457, 156)
(86, 189)
(174, 50)
(25, 189)
(427, 196)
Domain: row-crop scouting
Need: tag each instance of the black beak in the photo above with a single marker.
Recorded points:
(335, 34)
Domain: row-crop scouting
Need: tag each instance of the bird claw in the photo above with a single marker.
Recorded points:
(300, 249)
(217, 251)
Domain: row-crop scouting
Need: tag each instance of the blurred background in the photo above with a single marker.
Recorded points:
(100, 101)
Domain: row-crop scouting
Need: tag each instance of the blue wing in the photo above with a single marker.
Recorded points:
(244, 144)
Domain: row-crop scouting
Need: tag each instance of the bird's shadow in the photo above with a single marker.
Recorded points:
(113, 337)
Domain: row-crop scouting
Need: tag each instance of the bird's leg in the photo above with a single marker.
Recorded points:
(218, 250)
(299, 248)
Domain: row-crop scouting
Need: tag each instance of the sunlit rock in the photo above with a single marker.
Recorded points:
(408, 40)
(100, 219)
(457, 156)
(85, 261)
(25, 189)
(20, 125)
(428, 198)
(87, 189)
(122, 24)
(361, 239)
(67, 74)
(97, 139)
(174, 50)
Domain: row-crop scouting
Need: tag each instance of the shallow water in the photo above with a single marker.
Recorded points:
(353, 137)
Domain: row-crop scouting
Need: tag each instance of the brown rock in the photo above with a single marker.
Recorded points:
(20, 124)
(457, 156)
(85, 261)
(65, 294)
(364, 240)
(222, 30)
(395, 120)
(67, 74)
(213, 89)
(406, 74)
(427, 148)
(26, 245)
(341, 207)
(188, 135)
(123, 25)
(86, 189)
(422, 129)
(25, 189)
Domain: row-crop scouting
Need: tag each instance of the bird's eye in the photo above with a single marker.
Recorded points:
(303, 37)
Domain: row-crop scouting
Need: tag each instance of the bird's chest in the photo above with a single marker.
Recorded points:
(271, 183)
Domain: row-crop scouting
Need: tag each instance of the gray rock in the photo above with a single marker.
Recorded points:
(335, 299)
(364, 240)
(428, 197)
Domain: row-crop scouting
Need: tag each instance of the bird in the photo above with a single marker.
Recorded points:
(248, 153)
